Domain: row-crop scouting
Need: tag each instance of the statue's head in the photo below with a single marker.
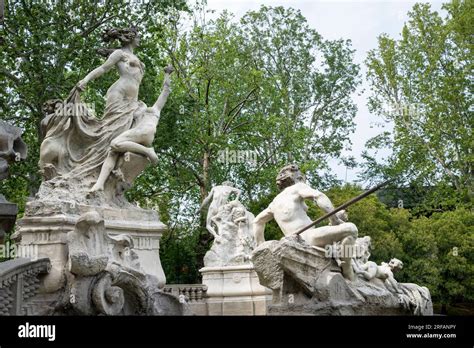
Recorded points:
(363, 247)
(228, 183)
(50, 106)
(288, 176)
(395, 264)
(128, 36)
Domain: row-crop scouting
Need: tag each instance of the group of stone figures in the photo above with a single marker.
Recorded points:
(90, 161)
(338, 259)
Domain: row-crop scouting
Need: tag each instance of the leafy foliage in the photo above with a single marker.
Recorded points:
(422, 83)
(268, 86)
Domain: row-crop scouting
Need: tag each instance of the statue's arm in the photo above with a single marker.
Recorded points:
(238, 192)
(259, 225)
(165, 91)
(208, 199)
(113, 59)
(321, 200)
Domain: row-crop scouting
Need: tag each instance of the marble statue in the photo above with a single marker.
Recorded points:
(102, 250)
(414, 297)
(80, 151)
(289, 210)
(231, 225)
(369, 269)
(138, 139)
(231, 281)
(218, 197)
(312, 268)
(233, 241)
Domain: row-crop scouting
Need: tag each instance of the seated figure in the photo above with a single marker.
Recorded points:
(289, 210)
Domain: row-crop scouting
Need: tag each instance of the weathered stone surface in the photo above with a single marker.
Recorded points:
(234, 290)
(233, 241)
(306, 282)
(93, 273)
(12, 148)
(19, 284)
(47, 224)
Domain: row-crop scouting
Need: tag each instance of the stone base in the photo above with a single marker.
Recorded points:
(46, 224)
(234, 290)
(306, 282)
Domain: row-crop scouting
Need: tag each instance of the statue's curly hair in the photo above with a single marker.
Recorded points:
(288, 176)
(125, 36)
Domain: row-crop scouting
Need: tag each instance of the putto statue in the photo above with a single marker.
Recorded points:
(80, 151)
(289, 210)
(414, 298)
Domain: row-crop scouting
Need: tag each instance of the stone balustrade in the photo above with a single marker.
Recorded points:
(19, 283)
(191, 292)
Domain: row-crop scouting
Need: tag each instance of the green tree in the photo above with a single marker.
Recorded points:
(234, 92)
(422, 84)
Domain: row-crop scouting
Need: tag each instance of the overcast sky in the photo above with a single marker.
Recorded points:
(359, 21)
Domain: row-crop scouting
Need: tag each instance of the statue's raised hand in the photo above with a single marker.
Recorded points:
(81, 85)
(169, 69)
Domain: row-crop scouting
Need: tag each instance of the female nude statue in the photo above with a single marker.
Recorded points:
(128, 65)
(80, 150)
(69, 125)
(139, 139)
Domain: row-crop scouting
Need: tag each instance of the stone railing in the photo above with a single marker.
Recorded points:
(191, 292)
(19, 283)
(195, 296)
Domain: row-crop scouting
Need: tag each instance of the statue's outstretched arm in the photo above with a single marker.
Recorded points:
(259, 225)
(113, 59)
(321, 200)
(165, 92)
(208, 199)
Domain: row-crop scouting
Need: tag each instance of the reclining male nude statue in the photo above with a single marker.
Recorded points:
(289, 210)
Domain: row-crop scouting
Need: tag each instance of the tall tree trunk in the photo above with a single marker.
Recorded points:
(205, 237)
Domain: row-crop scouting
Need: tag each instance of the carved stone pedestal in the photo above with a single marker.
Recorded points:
(306, 282)
(234, 290)
(46, 225)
